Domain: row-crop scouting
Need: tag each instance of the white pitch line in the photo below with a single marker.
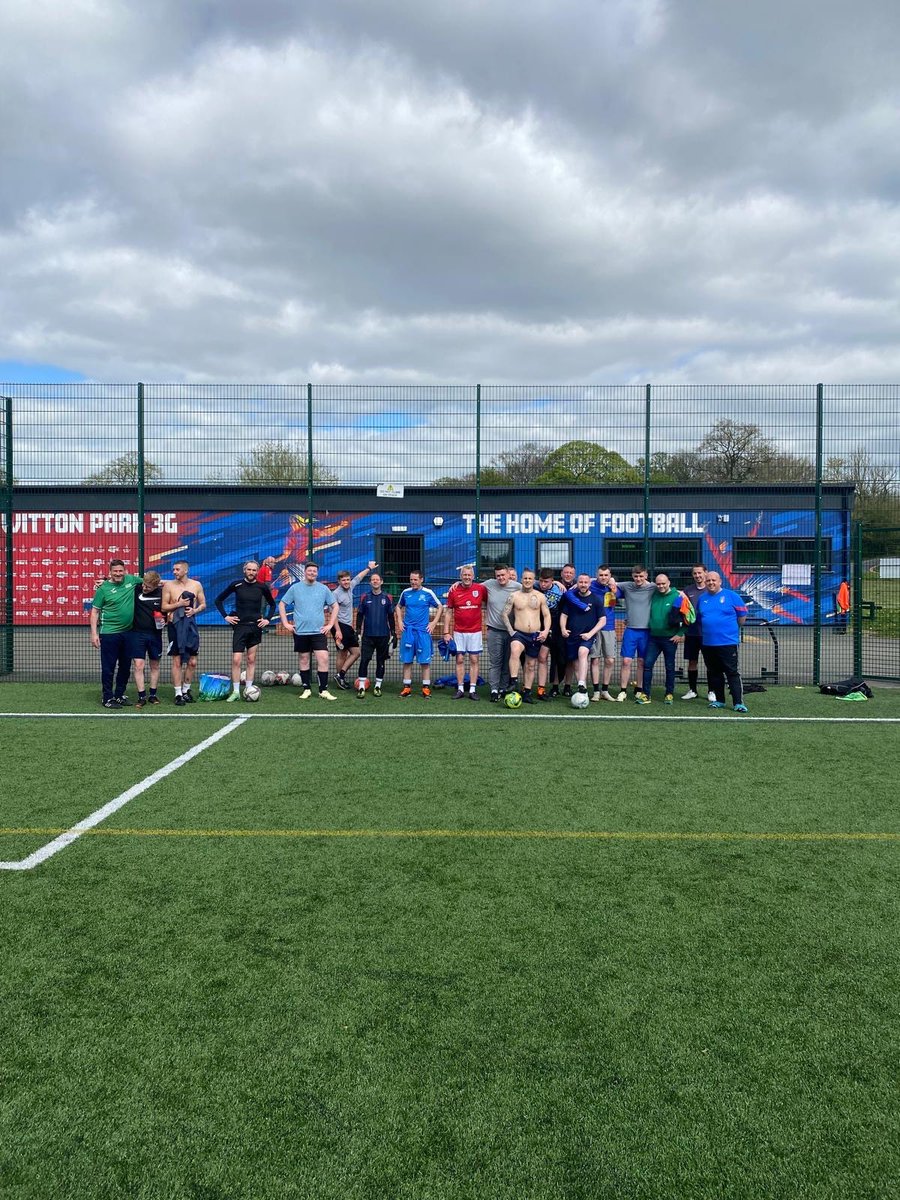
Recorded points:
(320, 715)
(65, 839)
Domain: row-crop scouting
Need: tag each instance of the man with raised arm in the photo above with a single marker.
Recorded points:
(344, 634)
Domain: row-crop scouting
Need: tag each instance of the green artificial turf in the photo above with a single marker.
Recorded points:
(302, 1014)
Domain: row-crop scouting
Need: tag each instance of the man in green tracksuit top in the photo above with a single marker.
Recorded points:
(670, 611)
(113, 611)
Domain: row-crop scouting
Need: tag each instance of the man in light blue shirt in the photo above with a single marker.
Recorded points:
(307, 600)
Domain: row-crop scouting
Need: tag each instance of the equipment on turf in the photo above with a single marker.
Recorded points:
(512, 700)
(268, 678)
(297, 679)
(214, 687)
(282, 678)
(580, 700)
(252, 693)
(362, 684)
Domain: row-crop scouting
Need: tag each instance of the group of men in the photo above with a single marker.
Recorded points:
(559, 634)
(128, 616)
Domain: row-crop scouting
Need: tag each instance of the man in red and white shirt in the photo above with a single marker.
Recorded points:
(464, 603)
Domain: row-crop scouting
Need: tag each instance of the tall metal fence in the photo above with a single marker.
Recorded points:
(135, 448)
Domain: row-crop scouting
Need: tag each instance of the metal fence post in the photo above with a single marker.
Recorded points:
(857, 596)
(477, 480)
(647, 443)
(141, 477)
(817, 577)
(310, 493)
(8, 509)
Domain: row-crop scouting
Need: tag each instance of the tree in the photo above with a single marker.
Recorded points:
(518, 467)
(586, 463)
(280, 464)
(124, 469)
(735, 453)
(877, 499)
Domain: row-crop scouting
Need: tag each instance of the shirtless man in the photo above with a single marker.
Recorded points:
(183, 599)
(527, 618)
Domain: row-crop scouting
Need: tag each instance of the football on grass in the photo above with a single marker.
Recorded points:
(251, 693)
(580, 700)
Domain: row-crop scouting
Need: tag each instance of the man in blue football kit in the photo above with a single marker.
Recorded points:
(722, 613)
(375, 624)
(418, 612)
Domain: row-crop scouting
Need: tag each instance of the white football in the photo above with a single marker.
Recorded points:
(251, 693)
(580, 700)
(268, 678)
(297, 679)
(282, 677)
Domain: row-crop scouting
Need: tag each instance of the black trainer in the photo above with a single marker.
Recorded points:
(187, 697)
(110, 704)
(122, 702)
(180, 701)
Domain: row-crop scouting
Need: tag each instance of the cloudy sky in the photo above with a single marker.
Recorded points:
(383, 191)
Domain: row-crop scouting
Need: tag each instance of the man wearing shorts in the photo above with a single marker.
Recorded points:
(527, 619)
(247, 621)
(554, 648)
(375, 622)
(498, 592)
(582, 619)
(344, 634)
(464, 606)
(308, 601)
(146, 636)
(604, 647)
(112, 615)
(183, 600)
(415, 626)
(638, 594)
(692, 634)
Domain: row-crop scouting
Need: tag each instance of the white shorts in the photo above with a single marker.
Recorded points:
(604, 644)
(468, 643)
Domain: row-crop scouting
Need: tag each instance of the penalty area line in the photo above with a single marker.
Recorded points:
(72, 834)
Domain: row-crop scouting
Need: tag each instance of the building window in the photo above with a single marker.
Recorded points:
(553, 554)
(493, 552)
(771, 554)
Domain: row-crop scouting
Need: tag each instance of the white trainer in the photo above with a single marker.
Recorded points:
(690, 694)
(711, 697)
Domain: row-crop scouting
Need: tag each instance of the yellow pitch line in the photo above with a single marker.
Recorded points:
(608, 835)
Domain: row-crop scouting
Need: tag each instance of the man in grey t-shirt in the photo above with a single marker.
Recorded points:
(638, 594)
(499, 590)
(344, 634)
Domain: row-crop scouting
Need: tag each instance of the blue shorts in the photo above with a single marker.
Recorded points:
(416, 646)
(634, 643)
(530, 642)
(574, 643)
(145, 645)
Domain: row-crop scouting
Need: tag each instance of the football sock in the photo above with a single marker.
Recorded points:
(693, 679)
(236, 687)
(142, 696)
(323, 680)
(305, 677)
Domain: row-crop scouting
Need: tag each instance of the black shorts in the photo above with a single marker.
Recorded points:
(530, 642)
(691, 648)
(305, 643)
(347, 635)
(245, 636)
